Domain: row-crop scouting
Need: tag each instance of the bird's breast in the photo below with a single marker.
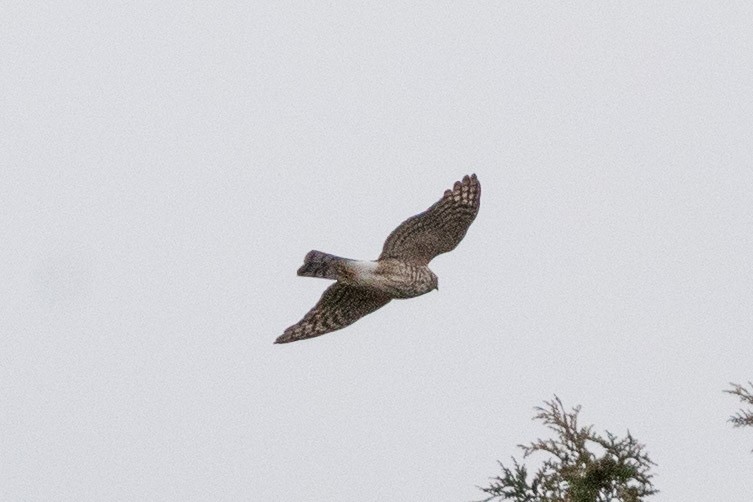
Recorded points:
(393, 277)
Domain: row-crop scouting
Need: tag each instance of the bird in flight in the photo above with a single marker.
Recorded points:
(401, 271)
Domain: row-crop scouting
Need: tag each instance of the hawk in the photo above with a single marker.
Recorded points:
(401, 270)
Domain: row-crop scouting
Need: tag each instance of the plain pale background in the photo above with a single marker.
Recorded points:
(164, 168)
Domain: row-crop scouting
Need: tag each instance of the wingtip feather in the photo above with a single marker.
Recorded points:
(285, 337)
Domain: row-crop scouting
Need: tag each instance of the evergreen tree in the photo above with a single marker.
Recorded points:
(582, 466)
(743, 418)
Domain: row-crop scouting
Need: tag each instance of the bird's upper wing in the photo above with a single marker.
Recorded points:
(437, 230)
(339, 306)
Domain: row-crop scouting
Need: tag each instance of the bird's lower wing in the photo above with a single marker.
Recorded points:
(339, 306)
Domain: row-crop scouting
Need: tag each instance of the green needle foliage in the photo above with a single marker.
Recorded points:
(574, 471)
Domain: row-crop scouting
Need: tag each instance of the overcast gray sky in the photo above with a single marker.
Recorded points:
(165, 167)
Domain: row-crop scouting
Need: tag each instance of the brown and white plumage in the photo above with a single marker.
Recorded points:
(437, 230)
(339, 306)
(400, 272)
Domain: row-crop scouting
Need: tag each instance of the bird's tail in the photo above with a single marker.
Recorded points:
(324, 265)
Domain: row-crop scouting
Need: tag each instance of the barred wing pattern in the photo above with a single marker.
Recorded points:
(437, 230)
(339, 306)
